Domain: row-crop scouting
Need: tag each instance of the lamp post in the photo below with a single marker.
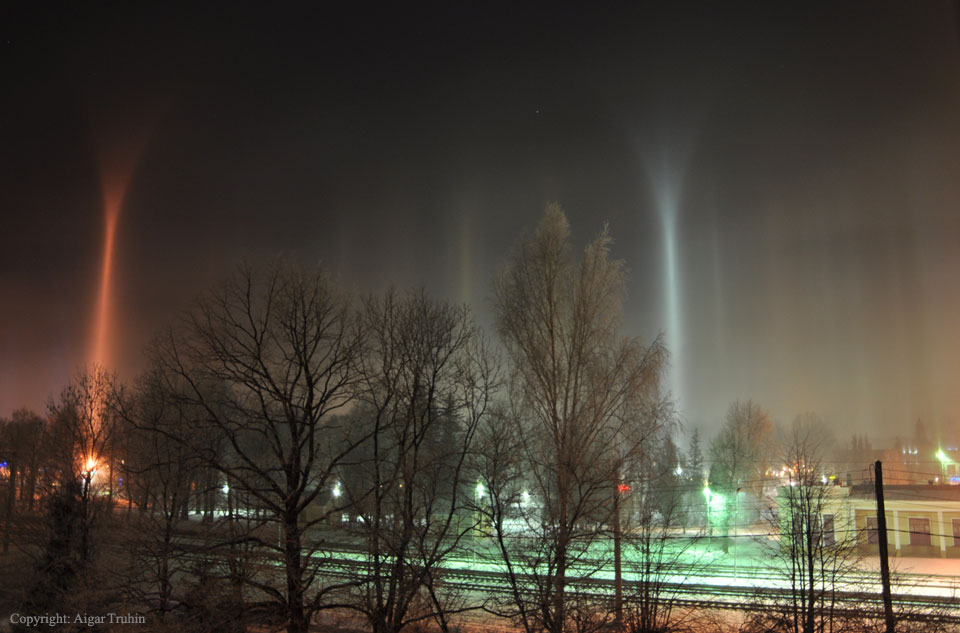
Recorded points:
(715, 504)
(89, 468)
(622, 488)
(478, 497)
(706, 493)
(944, 460)
(736, 529)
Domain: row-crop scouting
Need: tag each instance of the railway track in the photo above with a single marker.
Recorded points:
(710, 585)
(691, 593)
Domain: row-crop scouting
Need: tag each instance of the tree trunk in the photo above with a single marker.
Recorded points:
(617, 569)
(812, 596)
(30, 489)
(559, 597)
(296, 616)
(10, 506)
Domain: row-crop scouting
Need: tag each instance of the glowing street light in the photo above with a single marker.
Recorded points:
(715, 504)
(714, 500)
(89, 469)
(944, 462)
(478, 492)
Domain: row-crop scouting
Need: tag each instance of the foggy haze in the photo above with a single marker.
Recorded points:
(781, 181)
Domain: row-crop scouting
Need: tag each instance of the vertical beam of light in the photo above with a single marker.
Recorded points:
(665, 171)
(116, 168)
(124, 130)
(673, 321)
(465, 262)
(113, 200)
(719, 307)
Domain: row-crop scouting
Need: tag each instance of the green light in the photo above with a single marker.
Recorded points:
(943, 457)
(480, 490)
(714, 500)
(717, 502)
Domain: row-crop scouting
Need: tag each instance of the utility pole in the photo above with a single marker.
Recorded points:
(617, 570)
(884, 562)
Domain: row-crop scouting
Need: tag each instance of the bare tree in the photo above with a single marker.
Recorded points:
(263, 363)
(159, 465)
(575, 387)
(740, 456)
(426, 385)
(84, 425)
(817, 550)
(694, 475)
(660, 558)
(20, 447)
(73, 451)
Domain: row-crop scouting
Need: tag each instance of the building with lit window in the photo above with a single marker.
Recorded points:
(922, 520)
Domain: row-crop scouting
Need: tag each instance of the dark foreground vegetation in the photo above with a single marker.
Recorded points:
(293, 453)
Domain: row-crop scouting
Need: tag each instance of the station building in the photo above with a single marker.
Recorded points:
(922, 520)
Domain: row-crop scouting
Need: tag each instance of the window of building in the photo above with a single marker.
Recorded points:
(873, 531)
(956, 532)
(920, 531)
(828, 536)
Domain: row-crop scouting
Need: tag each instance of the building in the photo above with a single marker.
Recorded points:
(920, 459)
(922, 520)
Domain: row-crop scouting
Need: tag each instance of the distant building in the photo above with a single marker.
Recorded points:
(922, 520)
(918, 460)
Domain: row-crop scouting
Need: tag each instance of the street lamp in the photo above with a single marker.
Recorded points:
(944, 462)
(736, 529)
(709, 497)
(622, 488)
(706, 494)
(478, 497)
(89, 468)
(715, 504)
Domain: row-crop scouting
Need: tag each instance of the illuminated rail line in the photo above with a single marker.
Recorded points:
(685, 594)
(708, 585)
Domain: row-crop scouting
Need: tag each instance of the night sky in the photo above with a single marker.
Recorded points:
(783, 180)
